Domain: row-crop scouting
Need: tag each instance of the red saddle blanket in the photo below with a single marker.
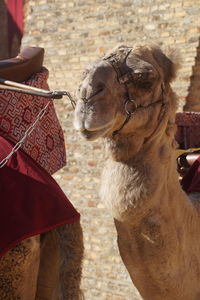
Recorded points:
(46, 143)
(31, 202)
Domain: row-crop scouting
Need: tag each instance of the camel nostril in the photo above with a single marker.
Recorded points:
(99, 90)
(83, 93)
(100, 86)
(97, 93)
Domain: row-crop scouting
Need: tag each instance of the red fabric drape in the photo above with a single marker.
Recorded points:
(15, 21)
(31, 202)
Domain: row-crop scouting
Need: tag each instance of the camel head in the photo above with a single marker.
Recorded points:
(123, 93)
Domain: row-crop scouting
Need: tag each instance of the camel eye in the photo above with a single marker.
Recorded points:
(145, 85)
(143, 80)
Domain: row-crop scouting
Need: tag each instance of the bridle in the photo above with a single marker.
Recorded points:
(130, 105)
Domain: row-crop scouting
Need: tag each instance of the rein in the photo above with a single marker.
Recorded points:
(27, 89)
(130, 105)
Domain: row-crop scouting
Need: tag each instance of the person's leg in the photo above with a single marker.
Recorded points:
(19, 270)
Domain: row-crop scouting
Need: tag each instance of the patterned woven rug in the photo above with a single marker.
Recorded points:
(188, 129)
(18, 111)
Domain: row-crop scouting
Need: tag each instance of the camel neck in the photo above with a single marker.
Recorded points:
(147, 180)
(156, 222)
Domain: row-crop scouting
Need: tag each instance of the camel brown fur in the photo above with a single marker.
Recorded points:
(157, 224)
(44, 267)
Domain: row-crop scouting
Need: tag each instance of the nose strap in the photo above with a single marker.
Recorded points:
(130, 104)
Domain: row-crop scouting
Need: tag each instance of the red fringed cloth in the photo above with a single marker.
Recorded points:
(31, 201)
(18, 111)
(188, 130)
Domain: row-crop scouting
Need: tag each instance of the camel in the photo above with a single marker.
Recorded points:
(126, 99)
(44, 267)
(43, 262)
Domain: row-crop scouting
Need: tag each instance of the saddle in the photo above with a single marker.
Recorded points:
(18, 112)
(28, 62)
(29, 195)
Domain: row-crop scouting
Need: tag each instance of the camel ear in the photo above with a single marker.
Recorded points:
(167, 63)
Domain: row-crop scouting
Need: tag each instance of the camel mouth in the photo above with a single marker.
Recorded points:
(93, 135)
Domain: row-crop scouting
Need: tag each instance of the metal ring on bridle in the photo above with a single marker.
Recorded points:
(133, 105)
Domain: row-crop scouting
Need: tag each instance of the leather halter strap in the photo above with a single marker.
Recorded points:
(130, 105)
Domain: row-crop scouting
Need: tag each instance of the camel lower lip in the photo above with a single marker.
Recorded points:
(92, 135)
(87, 134)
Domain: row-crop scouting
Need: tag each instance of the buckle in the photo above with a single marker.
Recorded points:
(124, 78)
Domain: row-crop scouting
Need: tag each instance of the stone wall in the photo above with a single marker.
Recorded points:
(74, 33)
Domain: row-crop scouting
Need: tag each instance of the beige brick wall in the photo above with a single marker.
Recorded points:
(74, 33)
